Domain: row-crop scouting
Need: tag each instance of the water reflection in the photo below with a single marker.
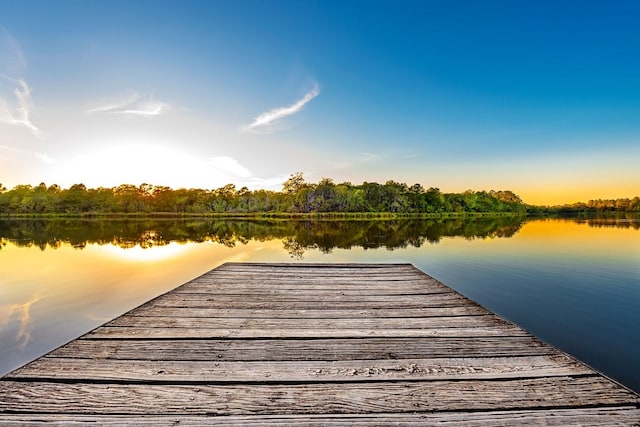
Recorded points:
(630, 222)
(297, 236)
(20, 313)
(574, 283)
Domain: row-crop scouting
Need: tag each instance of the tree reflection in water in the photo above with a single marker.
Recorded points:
(296, 235)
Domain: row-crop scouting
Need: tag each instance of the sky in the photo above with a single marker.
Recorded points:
(538, 97)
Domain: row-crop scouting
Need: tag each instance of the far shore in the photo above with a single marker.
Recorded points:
(314, 215)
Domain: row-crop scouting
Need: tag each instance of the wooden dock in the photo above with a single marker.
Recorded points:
(312, 344)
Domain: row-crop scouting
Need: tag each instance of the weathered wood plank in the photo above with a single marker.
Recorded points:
(267, 292)
(213, 303)
(311, 270)
(471, 310)
(306, 268)
(293, 279)
(316, 272)
(481, 321)
(257, 266)
(338, 398)
(334, 297)
(319, 276)
(87, 370)
(177, 333)
(244, 264)
(304, 349)
(605, 417)
(265, 288)
(189, 300)
(344, 279)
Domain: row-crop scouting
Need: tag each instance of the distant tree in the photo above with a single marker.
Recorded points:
(416, 200)
(181, 200)
(20, 199)
(324, 196)
(41, 200)
(228, 190)
(127, 198)
(294, 183)
(506, 196)
(434, 200)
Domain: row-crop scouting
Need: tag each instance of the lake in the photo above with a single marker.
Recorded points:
(574, 283)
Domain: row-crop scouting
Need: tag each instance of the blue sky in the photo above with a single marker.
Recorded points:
(542, 98)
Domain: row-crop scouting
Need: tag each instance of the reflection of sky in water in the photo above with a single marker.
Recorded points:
(575, 286)
(17, 317)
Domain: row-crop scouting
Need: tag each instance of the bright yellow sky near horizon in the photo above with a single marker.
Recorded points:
(552, 195)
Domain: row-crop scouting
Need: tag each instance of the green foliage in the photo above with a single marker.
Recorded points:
(297, 197)
(599, 206)
(294, 184)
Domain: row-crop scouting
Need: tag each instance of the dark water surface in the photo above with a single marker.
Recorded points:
(573, 283)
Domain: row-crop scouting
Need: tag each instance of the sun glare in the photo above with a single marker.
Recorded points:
(141, 163)
(153, 254)
(136, 164)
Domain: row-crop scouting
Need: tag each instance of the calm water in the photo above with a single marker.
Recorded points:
(574, 284)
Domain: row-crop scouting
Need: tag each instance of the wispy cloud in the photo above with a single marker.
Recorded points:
(357, 159)
(269, 183)
(132, 104)
(235, 172)
(115, 104)
(18, 113)
(46, 158)
(12, 60)
(147, 108)
(230, 165)
(268, 118)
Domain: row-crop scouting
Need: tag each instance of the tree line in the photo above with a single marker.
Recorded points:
(296, 196)
(597, 206)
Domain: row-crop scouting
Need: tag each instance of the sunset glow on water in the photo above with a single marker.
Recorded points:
(573, 284)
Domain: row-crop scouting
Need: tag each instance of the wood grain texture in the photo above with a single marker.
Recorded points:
(188, 301)
(311, 344)
(342, 398)
(302, 349)
(604, 417)
(74, 369)
(276, 288)
(176, 333)
(148, 311)
(308, 323)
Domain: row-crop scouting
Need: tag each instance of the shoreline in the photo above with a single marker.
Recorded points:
(316, 215)
(268, 215)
